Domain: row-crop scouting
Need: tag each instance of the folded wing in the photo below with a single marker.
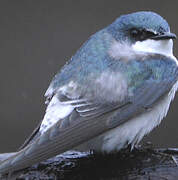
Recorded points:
(89, 116)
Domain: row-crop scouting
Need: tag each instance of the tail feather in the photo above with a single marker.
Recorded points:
(5, 156)
(53, 142)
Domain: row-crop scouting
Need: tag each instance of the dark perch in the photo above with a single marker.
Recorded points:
(143, 163)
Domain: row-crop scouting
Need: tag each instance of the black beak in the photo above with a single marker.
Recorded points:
(164, 36)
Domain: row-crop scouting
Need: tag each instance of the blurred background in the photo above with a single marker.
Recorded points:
(37, 37)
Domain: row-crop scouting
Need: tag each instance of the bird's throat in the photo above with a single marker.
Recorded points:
(163, 47)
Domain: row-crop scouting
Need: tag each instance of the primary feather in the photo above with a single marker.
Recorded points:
(100, 97)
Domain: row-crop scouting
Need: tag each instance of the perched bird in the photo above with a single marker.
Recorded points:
(113, 91)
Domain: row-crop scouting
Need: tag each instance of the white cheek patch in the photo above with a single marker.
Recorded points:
(163, 47)
(120, 50)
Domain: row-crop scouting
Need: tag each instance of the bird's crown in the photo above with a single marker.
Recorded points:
(145, 22)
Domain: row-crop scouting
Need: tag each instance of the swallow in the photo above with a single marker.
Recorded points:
(109, 95)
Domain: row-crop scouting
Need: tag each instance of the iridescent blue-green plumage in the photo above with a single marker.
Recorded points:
(140, 20)
(100, 91)
(90, 58)
(93, 59)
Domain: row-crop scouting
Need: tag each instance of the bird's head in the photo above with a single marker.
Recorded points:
(144, 31)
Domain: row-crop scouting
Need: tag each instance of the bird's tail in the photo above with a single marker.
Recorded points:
(5, 156)
(53, 142)
(33, 153)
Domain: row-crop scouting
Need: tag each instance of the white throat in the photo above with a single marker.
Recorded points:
(163, 47)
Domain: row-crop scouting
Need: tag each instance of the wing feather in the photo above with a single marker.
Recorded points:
(90, 118)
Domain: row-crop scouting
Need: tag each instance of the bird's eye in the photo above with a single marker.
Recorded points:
(135, 33)
(140, 35)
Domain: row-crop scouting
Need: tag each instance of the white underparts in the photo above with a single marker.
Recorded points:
(134, 130)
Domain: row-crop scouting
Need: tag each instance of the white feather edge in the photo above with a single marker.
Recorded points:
(55, 111)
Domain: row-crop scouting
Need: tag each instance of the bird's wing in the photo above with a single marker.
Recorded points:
(90, 116)
(66, 111)
(32, 137)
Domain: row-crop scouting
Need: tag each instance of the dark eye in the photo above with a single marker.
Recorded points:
(140, 35)
(135, 33)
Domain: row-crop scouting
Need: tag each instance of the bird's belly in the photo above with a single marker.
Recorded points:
(132, 131)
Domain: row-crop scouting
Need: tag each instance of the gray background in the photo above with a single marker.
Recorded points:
(37, 37)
